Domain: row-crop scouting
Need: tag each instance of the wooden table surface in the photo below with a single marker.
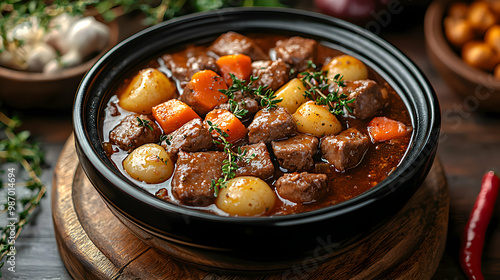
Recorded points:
(469, 146)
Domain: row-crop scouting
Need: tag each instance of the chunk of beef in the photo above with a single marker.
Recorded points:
(235, 43)
(345, 150)
(272, 74)
(368, 97)
(132, 133)
(191, 137)
(176, 63)
(198, 61)
(296, 51)
(247, 103)
(186, 63)
(271, 124)
(260, 165)
(296, 153)
(302, 187)
(193, 176)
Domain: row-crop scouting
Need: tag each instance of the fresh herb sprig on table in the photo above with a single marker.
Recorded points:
(16, 148)
(267, 97)
(317, 84)
(230, 164)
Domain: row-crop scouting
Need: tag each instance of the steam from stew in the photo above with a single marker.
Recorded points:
(256, 125)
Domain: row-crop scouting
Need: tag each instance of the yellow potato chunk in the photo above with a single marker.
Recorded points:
(147, 89)
(350, 67)
(246, 196)
(149, 163)
(316, 120)
(292, 94)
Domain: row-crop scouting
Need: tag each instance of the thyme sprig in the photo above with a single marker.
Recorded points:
(230, 164)
(166, 138)
(266, 96)
(145, 123)
(234, 107)
(239, 85)
(16, 148)
(317, 84)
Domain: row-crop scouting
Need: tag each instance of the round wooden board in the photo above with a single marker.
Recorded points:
(94, 244)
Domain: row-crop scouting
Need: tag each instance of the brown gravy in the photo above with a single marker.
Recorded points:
(380, 160)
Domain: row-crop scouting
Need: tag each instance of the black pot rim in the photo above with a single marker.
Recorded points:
(423, 149)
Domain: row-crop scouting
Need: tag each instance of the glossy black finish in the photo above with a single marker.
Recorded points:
(260, 243)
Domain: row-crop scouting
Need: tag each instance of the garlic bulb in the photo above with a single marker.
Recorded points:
(29, 32)
(52, 66)
(73, 37)
(87, 36)
(58, 30)
(38, 56)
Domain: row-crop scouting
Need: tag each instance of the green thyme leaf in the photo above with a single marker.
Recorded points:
(145, 123)
(166, 138)
(234, 107)
(229, 165)
(267, 97)
(320, 91)
(162, 159)
(16, 148)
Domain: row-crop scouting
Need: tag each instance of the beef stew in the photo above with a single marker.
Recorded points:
(296, 126)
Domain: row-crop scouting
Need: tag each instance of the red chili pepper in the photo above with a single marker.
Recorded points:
(473, 239)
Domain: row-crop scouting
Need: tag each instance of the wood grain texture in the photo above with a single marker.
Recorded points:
(95, 245)
(92, 264)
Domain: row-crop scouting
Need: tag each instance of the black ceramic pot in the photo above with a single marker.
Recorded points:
(259, 243)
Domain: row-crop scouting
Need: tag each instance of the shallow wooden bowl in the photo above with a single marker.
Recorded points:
(479, 89)
(21, 89)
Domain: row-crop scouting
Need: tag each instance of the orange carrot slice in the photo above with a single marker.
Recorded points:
(383, 129)
(173, 114)
(228, 123)
(202, 92)
(239, 65)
